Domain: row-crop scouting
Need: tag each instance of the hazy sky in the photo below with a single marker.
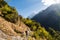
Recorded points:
(28, 7)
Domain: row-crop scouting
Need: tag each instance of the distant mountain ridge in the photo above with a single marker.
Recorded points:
(49, 17)
(31, 15)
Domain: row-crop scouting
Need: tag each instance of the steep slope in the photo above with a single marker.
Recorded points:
(38, 32)
(9, 29)
(15, 27)
(49, 17)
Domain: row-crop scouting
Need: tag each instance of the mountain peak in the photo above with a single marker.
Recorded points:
(54, 7)
(49, 17)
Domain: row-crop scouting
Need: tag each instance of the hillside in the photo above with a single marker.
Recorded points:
(50, 19)
(7, 30)
(15, 27)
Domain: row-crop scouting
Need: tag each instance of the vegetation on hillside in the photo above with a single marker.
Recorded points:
(38, 31)
(10, 14)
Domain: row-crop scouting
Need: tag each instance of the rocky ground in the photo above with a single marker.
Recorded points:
(8, 30)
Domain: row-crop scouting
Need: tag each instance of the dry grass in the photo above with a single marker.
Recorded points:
(8, 27)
